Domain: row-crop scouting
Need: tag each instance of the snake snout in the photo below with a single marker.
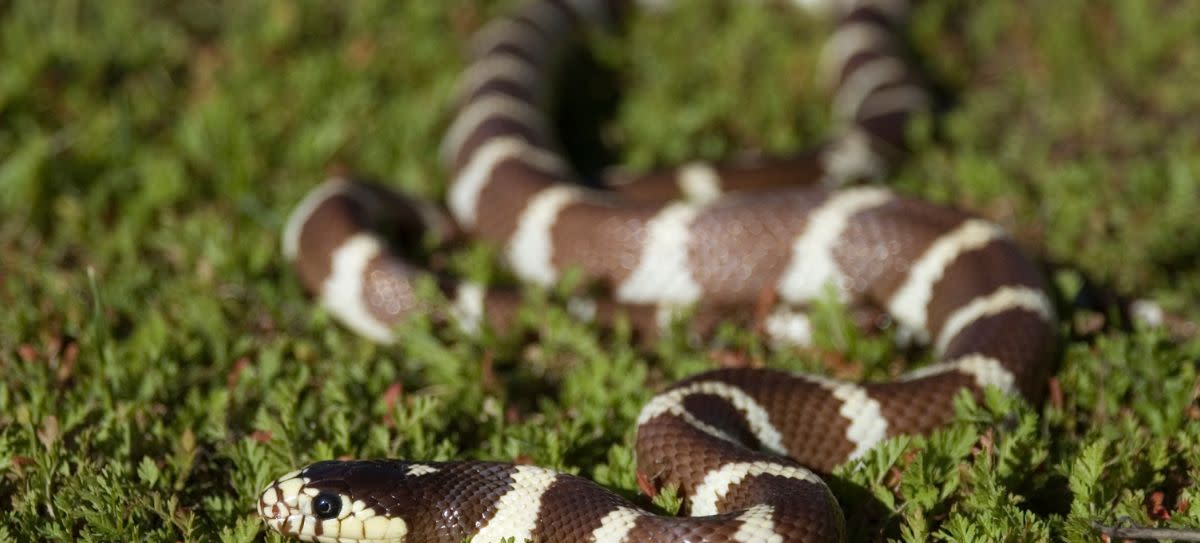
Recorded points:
(271, 505)
(279, 501)
(274, 509)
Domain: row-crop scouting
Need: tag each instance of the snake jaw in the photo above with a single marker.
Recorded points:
(280, 504)
(277, 517)
(292, 506)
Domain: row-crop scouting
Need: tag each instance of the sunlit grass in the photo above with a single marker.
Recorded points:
(161, 363)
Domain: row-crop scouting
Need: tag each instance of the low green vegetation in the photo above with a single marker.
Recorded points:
(160, 362)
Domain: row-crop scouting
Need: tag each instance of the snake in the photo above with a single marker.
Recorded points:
(753, 240)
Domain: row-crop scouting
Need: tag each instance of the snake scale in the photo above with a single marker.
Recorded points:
(744, 446)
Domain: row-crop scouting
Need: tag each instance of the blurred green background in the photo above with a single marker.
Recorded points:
(160, 362)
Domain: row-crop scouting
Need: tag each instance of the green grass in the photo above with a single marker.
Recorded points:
(160, 362)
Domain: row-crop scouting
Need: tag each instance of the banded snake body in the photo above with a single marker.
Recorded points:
(742, 445)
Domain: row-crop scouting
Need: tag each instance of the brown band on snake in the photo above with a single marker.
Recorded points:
(739, 443)
(614, 236)
(695, 181)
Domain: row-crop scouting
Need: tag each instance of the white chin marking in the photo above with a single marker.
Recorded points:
(699, 182)
(616, 525)
(756, 417)
(662, 273)
(342, 291)
(350, 529)
(812, 266)
(717, 482)
(530, 249)
(516, 512)
(487, 107)
(294, 524)
(1002, 299)
(463, 198)
(468, 308)
(984, 370)
(758, 526)
(331, 528)
(382, 529)
(910, 303)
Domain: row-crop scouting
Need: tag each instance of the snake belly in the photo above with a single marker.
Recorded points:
(743, 446)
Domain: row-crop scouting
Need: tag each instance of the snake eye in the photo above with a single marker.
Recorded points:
(326, 505)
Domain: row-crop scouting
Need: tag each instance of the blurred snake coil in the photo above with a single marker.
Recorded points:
(744, 446)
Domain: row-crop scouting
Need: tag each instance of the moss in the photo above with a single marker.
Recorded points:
(161, 363)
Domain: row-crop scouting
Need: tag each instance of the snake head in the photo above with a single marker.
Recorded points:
(343, 501)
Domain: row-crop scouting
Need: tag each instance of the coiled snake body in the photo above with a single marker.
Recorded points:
(739, 443)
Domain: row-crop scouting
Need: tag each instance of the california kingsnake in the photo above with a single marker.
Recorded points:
(739, 443)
